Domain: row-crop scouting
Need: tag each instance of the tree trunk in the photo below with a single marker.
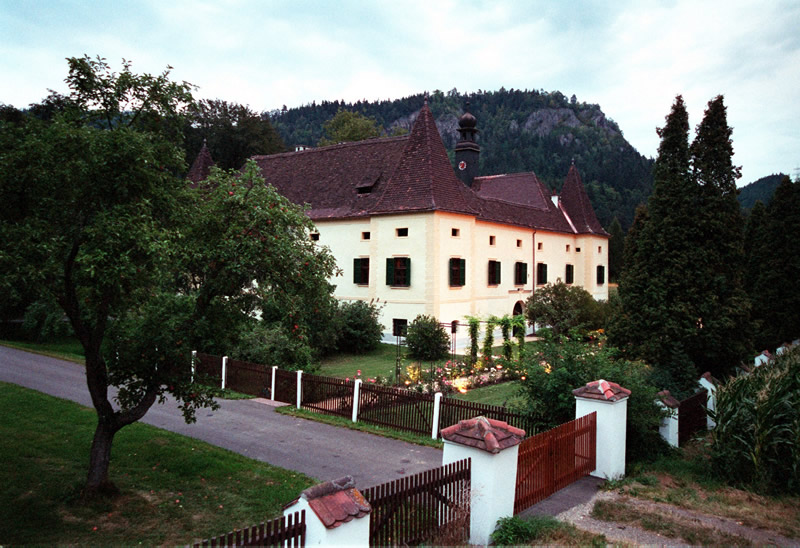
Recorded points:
(97, 482)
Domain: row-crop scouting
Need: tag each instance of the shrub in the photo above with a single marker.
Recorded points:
(756, 441)
(273, 344)
(560, 364)
(565, 308)
(427, 339)
(513, 530)
(360, 329)
(45, 320)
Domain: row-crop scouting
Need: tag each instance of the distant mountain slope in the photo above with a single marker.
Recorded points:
(537, 131)
(762, 189)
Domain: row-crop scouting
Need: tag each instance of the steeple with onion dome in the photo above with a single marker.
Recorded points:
(467, 148)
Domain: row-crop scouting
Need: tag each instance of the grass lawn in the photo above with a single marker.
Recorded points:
(175, 490)
(380, 361)
(65, 348)
(505, 393)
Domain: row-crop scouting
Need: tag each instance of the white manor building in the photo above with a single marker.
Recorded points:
(418, 236)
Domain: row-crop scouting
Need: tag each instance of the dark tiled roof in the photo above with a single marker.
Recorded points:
(337, 502)
(576, 203)
(499, 211)
(424, 179)
(201, 166)
(413, 173)
(482, 433)
(519, 188)
(329, 178)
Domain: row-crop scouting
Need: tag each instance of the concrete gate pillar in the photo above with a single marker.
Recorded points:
(610, 401)
(493, 447)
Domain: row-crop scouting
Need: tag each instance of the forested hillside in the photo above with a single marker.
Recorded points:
(520, 130)
(760, 190)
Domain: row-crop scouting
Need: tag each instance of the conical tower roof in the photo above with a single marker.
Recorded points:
(201, 166)
(424, 179)
(575, 202)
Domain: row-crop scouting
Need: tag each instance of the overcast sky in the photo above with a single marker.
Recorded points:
(630, 57)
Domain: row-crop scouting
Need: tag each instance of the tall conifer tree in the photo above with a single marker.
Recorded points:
(683, 304)
(723, 308)
(616, 250)
(657, 317)
(776, 300)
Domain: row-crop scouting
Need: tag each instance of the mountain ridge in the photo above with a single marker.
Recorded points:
(520, 130)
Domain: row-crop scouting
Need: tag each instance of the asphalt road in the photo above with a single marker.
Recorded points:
(248, 427)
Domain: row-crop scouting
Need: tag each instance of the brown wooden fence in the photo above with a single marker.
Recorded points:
(430, 506)
(553, 459)
(452, 411)
(327, 395)
(286, 531)
(692, 416)
(386, 406)
(248, 378)
(396, 408)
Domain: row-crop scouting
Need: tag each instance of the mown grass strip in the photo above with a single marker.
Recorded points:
(64, 349)
(175, 489)
(363, 427)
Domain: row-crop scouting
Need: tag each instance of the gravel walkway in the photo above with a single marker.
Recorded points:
(580, 516)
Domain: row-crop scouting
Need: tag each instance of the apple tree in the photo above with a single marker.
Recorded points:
(95, 215)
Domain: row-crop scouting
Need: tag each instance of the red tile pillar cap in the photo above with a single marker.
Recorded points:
(602, 390)
(668, 399)
(482, 433)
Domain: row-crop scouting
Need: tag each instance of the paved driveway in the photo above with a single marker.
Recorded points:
(247, 427)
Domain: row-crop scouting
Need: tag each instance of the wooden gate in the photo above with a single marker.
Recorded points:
(552, 460)
(692, 416)
(396, 408)
(285, 386)
(328, 395)
(429, 506)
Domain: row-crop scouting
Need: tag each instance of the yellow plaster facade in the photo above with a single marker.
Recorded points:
(431, 239)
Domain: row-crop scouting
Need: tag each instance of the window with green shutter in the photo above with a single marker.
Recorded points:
(494, 272)
(458, 276)
(520, 273)
(361, 271)
(541, 273)
(398, 271)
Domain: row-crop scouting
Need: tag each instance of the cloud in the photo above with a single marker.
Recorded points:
(631, 57)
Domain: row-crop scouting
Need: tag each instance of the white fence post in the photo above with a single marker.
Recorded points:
(356, 390)
(299, 388)
(194, 361)
(437, 403)
(224, 370)
(272, 386)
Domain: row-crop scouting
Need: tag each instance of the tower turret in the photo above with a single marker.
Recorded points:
(467, 148)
